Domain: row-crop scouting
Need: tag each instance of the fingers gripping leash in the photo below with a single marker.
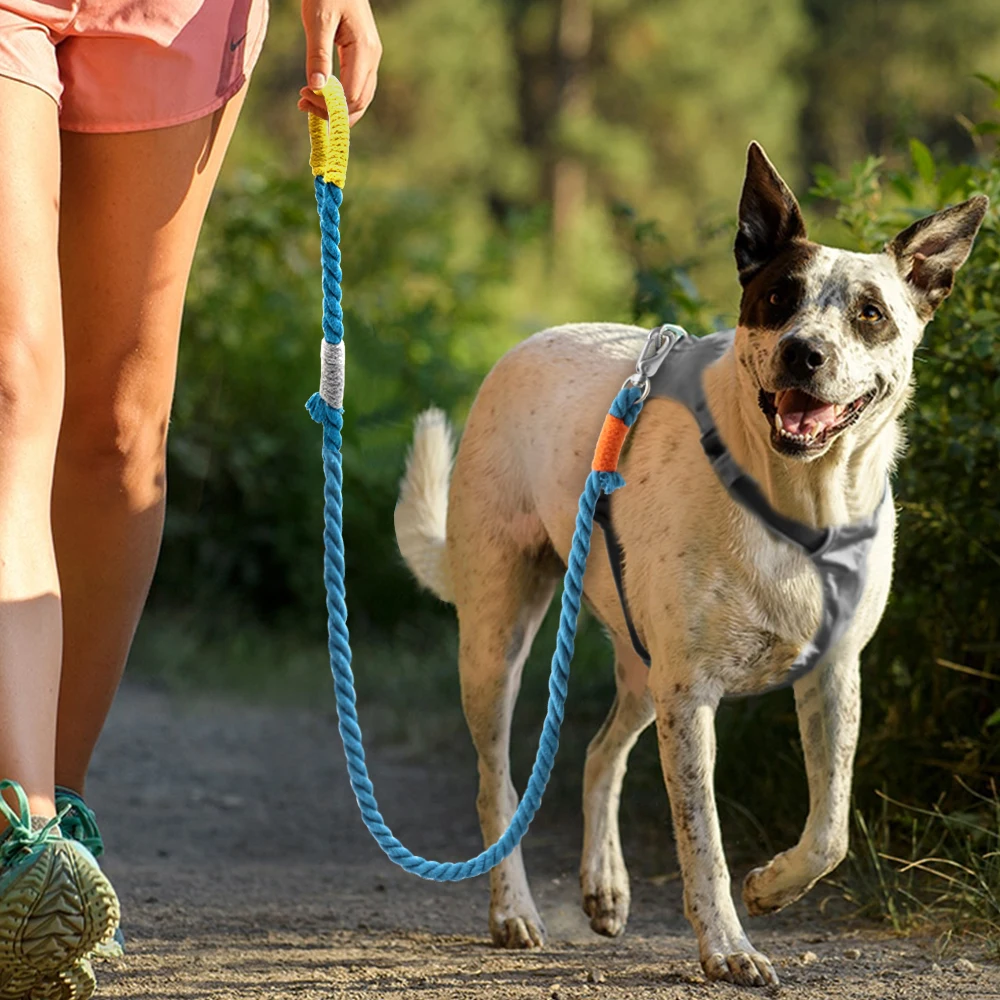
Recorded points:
(329, 164)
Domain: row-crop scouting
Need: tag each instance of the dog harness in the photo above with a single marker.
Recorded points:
(839, 554)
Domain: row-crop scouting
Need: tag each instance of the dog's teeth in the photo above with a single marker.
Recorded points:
(806, 439)
(777, 424)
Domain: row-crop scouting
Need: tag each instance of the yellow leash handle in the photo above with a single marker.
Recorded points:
(329, 141)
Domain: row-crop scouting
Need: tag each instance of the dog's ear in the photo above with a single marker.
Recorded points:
(930, 251)
(770, 217)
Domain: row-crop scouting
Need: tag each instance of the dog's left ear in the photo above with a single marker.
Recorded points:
(930, 251)
(770, 217)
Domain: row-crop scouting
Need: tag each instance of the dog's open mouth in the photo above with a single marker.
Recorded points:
(802, 423)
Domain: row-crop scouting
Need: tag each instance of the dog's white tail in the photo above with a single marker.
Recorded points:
(422, 511)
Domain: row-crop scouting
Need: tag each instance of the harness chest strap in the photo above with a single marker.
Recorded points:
(839, 554)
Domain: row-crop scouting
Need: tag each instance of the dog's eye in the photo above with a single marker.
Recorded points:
(775, 298)
(871, 314)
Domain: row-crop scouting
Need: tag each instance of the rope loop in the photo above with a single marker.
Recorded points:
(330, 139)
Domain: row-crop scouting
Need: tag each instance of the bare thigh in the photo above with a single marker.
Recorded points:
(132, 209)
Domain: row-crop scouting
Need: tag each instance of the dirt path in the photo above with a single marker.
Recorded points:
(244, 871)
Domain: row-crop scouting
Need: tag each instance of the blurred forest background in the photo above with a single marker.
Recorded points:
(529, 162)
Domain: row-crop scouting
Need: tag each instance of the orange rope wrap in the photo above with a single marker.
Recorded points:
(609, 444)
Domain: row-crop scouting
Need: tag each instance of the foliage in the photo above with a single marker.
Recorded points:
(878, 73)
(948, 878)
(663, 290)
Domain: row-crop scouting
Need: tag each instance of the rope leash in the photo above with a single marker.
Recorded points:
(328, 159)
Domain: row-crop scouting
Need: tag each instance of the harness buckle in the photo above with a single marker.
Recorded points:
(659, 343)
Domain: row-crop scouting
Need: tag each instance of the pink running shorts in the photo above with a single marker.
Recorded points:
(131, 65)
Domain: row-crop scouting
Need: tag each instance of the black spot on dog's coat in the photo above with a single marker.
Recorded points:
(872, 332)
(783, 278)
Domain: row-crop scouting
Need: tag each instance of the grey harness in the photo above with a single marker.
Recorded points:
(839, 554)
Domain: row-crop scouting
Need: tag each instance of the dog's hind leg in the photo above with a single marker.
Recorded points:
(502, 596)
(603, 876)
(828, 702)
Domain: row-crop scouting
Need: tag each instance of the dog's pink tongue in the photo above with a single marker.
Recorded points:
(804, 414)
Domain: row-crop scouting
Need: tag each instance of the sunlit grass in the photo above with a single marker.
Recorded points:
(921, 869)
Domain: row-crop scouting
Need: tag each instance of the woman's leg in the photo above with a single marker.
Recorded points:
(31, 398)
(132, 207)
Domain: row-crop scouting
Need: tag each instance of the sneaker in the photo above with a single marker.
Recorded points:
(78, 822)
(55, 906)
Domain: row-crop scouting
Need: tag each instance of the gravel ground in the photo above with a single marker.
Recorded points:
(244, 871)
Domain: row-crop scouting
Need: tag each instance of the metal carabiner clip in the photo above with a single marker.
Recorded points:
(659, 343)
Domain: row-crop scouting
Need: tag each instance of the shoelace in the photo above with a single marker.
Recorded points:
(20, 837)
(78, 821)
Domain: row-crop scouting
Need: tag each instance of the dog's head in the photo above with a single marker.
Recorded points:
(827, 336)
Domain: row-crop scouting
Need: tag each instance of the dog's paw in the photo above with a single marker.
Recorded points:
(743, 968)
(759, 892)
(773, 886)
(608, 911)
(606, 894)
(524, 931)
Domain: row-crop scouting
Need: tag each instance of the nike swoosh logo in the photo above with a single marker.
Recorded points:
(233, 46)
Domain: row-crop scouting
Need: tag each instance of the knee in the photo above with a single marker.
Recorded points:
(31, 381)
(119, 444)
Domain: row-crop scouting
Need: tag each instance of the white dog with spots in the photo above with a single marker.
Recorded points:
(808, 400)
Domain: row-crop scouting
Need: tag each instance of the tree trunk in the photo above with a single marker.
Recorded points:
(574, 37)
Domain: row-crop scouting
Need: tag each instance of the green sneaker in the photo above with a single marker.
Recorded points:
(78, 822)
(55, 906)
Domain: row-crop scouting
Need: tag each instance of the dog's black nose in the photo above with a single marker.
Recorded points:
(803, 357)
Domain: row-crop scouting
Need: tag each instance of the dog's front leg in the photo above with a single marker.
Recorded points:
(828, 702)
(685, 724)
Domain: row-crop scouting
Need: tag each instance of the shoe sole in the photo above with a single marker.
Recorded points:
(54, 910)
(111, 950)
(74, 983)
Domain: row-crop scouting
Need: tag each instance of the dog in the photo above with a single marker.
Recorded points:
(808, 399)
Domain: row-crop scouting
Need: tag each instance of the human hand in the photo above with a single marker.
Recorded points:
(350, 26)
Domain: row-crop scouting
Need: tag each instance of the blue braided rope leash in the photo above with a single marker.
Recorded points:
(326, 408)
